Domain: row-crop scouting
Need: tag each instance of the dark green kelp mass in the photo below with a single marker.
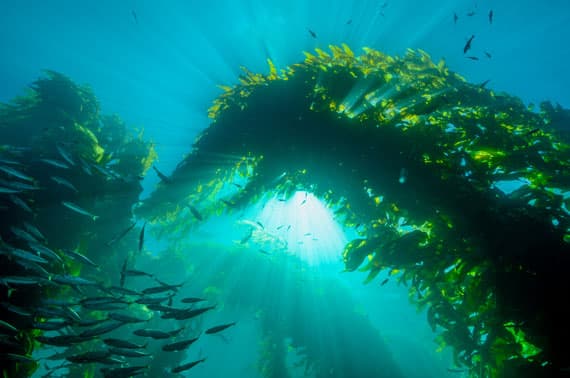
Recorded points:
(461, 192)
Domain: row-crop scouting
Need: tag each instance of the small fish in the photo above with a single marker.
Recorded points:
(187, 366)
(239, 186)
(491, 16)
(308, 234)
(102, 329)
(118, 343)
(55, 163)
(312, 33)
(4, 190)
(123, 270)
(125, 318)
(488, 54)
(246, 237)
(384, 282)
(195, 213)
(303, 202)
(141, 238)
(219, 328)
(161, 289)
(455, 18)
(64, 154)
(45, 251)
(162, 176)
(72, 280)
(128, 353)
(20, 203)
(28, 256)
(79, 210)
(7, 326)
(483, 84)
(260, 225)
(121, 235)
(280, 227)
(192, 300)
(156, 333)
(89, 357)
(64, 182)
(135, 273)
(187, 314)
(264, 252)
(472, 57)
(34, 230)
(349, 22)
(135, 16)
(471, 14)
(81, 258)
(288, 227)
(153, 300)
(15, 173)
(467, 46)
(179, 345)
(9, 162)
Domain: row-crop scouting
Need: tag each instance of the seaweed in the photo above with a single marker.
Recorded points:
(391, 141)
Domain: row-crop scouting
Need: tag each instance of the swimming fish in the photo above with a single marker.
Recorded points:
(467, 46)
(312, 33)
(79, 210)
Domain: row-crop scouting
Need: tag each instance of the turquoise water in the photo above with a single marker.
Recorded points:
(158, 67)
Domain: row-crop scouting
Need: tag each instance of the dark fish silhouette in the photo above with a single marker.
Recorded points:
(488, 54)
(179, 345)
(455, 18)
(467, 46)
(195, 213)
(187, 366)
(219, 328)
(135, 16)
(121, 235)
(162, 176)
(491, 16)
(141, 238)
(384, 282)
(312, 33)
(349, 22)
(472, 58)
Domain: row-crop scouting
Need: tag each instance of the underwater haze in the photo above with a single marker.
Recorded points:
(283, 189)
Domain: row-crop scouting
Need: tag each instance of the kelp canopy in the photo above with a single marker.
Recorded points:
(417, 156)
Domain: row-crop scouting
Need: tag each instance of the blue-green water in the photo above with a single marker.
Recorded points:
(158, 67)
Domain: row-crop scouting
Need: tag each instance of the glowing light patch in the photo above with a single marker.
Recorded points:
(307, 226)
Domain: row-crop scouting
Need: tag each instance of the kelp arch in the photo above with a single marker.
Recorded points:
(416, 156)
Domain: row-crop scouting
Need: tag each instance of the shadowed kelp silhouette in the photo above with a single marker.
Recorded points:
(460, 191)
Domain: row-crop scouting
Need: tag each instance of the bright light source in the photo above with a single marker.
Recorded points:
(307, 226)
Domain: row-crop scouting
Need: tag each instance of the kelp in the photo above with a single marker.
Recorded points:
(58, 117)
(461, 189)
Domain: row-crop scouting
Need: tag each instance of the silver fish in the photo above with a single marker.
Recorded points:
(79, 210)
(15, 173)
(55, 163)
(20, 203)
(65, 154)
(64, 182)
